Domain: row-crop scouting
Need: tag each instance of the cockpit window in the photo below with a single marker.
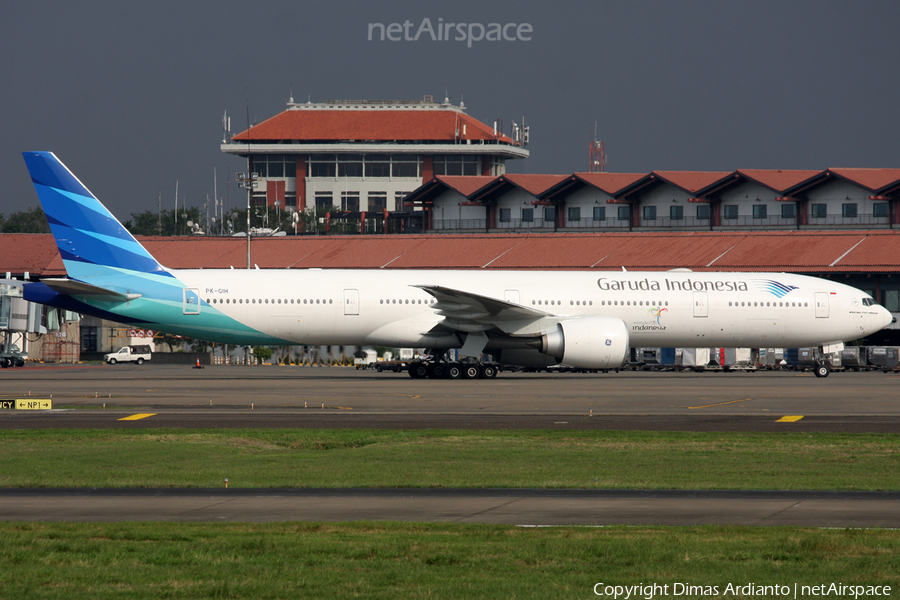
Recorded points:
(869, 302)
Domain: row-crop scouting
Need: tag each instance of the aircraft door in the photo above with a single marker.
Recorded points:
(191, 301)
(821, 305)
(351, 302)
(701, 304)
(511, 296)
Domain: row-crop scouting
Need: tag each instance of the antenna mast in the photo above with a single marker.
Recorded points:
(597, 155)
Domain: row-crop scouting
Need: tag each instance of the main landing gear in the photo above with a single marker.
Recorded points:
(452, 370)
(823, 368)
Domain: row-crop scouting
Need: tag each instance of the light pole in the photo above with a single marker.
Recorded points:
(248, 181)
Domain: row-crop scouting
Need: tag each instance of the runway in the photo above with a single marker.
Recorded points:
(158, 396)
(498, 506)
(270, 396)
(200, 417)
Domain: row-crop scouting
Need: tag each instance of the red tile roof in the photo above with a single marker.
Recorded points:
(31, 252)
(370, 125)
(465, 184)
(610, 182)
(873, 179)
(793, 251)
(533, 184)
(778, 180)
(691, 181)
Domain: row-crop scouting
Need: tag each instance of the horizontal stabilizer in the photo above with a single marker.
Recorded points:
(72, 287)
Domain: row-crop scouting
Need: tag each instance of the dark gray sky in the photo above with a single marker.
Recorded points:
(131, 95)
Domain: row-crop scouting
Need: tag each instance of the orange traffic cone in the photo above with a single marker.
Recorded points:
(198, 364)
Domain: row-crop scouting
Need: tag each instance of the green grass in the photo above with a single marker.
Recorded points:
(474, 459)
(389, 560)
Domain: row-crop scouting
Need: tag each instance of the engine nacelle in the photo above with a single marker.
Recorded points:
(588, 342)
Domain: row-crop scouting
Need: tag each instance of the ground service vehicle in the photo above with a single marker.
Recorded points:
(135, 354)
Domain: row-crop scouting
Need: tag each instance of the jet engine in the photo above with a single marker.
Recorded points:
(588, 342)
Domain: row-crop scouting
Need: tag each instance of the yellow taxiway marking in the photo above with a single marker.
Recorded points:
(719, 404)
(789, 418)
(136, 417)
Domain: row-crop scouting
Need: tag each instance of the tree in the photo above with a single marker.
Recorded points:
(262, 353)
(163, 223)
(32, 220)
(151, 223)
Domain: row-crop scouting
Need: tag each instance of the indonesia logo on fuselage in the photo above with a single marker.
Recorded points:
(776, 288)
(656, 313)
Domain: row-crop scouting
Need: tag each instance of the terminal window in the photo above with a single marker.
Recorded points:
(324, 200)
(819, 211)
(365, 165)
(760, 211)
(575, 213)
(275, 165)
(703, 212)
(350, 165)
(89, 339)
(398, 200)
(322, 165)
(880, 209)
(676, 213)
(405, 165)
(788, 211)
(848, 211)
(377, 201)
(730, 211)
(527, 215)
(599, 213)
(649, 213)
(446, 164)
(549, 214)
(504, 215)
(891, 300)
(624, 213)
(350, 201)
(378, 167)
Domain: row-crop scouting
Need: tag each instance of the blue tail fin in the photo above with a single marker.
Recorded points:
(90, 239)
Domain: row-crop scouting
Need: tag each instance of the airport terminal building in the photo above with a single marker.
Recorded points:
(362, 158)
(742, 200)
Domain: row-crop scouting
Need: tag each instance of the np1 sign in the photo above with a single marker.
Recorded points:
(29, 404)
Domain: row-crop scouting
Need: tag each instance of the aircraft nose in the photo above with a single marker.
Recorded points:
(887, 317)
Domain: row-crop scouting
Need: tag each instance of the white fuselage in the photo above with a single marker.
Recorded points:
(660, 309)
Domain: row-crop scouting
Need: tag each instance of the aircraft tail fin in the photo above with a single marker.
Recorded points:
(90, 239)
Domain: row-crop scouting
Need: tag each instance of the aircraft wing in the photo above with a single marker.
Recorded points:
(465, 311)
(73, 287)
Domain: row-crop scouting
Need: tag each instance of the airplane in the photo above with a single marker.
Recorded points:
(582, 319)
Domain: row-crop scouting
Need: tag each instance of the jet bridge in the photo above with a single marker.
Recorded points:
(23, 323)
